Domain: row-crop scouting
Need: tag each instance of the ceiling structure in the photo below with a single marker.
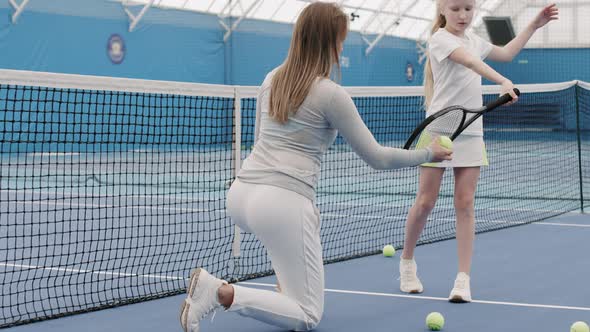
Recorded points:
(375, 19)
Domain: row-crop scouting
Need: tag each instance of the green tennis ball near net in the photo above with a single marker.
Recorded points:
(388, 251)
(435, 321)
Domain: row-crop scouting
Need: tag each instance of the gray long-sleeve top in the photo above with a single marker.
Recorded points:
(289, 155)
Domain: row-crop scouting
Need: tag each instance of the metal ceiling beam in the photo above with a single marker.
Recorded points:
(134, 19)
(374, 15)
(222, 15)
(18, 9)
(256, 8)
(422, 50)
(371, 10)
(277, 10)
(234, 26)
(230, 7)
(360, 6)
(222, 11)
(391, 24)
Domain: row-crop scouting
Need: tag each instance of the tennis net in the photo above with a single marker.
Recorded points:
(113, 189)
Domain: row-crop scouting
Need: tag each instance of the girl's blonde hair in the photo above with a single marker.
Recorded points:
(314, 50)
(439, 22)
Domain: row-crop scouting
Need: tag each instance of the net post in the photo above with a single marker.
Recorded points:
(236, 252)
(578, 134)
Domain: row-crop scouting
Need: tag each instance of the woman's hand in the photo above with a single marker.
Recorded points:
(438, 152)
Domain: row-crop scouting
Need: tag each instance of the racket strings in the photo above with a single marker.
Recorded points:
(446, 124)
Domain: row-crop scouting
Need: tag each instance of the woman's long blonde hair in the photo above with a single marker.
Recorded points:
(439, 22)
(320, 30)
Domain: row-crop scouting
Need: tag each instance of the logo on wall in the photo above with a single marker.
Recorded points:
(116, 49)
(410, 72)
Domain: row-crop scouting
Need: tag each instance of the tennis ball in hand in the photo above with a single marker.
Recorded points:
(388, 250)
(446, 142)
(435, 321)
(579, 327)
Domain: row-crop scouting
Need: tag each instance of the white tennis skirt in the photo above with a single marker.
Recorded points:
(468, 151)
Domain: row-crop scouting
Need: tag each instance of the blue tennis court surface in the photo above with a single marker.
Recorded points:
(111, 197)
(115, 164)
(528, 278)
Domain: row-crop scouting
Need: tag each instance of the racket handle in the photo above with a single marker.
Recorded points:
(502, 100)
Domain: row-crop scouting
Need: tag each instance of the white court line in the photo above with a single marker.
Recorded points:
(104, 206)
(81, 271)
(534, 223)
(419, 297)
(560, 224)
(80, 195)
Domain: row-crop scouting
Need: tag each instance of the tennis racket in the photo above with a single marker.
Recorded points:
(453, 120)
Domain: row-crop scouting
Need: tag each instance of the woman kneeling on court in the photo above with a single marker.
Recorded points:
(301, 111)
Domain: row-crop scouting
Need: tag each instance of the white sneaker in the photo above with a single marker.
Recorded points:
(201, 300)
(461, 292)
(409, 282)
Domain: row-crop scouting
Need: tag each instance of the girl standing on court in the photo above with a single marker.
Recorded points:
(301, 111)
(452, 76)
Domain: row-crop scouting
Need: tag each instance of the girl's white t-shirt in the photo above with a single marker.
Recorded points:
(455, 84)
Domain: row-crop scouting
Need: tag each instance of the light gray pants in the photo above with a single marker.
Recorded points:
(288, 225)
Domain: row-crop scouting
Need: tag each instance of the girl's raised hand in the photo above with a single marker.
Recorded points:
(547, 14)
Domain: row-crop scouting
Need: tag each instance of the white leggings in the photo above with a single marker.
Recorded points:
(288, 225)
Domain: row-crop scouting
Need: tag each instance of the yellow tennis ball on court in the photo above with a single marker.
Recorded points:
(580, 327)
(388, 251)
(435, 321)
(446, 142)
